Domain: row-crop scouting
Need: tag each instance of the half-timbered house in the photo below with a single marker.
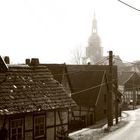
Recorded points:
(33, 105)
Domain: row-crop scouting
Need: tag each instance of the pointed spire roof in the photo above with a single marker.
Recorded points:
(94, 24)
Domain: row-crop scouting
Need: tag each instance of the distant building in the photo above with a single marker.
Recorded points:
(129, 84)
(94, 51)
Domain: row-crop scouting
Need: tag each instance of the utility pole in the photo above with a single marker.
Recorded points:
(116, 106)
(110, 86)
(134, 93)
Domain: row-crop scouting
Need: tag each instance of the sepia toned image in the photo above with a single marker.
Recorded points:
(69, 70)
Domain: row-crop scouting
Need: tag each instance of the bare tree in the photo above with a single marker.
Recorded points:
(77, 56)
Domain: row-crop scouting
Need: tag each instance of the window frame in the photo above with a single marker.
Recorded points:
(36, 137)
(12, 120)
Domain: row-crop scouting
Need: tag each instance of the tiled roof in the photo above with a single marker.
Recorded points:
(28, 89)
(77, 68)
(57, 70)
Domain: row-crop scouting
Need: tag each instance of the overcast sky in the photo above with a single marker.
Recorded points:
(51, 29)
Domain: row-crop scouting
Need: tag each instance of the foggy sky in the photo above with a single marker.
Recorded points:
(51, 29)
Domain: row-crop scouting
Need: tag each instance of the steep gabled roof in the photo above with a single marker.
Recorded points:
(124, 76)
(77, 68)
(28, 89)
(86, 81)
(133, 82)
(86, 86)
(57, 70)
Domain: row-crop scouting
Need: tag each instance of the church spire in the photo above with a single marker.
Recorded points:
(94, 24)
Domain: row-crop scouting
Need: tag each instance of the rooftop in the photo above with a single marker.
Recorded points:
(30, 88)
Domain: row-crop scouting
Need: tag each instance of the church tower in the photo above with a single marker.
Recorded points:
(94, 51)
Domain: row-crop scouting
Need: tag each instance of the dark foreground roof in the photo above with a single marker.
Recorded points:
(27, 89)
(57, 70)
(86, 81)
(86, 86)
(77, 68)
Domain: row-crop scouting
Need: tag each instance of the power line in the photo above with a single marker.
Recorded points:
(102, 60)
(134, 63)
(129, 5)
(92, 87)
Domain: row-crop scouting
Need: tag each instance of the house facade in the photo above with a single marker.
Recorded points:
(90, 93)
(88, 86)
(33, 105)
(96, 76)
(132, 89)
(129, 84)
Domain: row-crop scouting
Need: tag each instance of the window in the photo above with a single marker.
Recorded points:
(16, 129)
(39, 127)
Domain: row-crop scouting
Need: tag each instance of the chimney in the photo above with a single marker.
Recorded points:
(7, 59)
(27, 61)
(34, 62)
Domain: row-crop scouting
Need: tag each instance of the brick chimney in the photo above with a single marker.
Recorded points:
(34, 62)
(7, 59)
(27, 61)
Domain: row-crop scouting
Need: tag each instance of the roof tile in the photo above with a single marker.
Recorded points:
(28, 89)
